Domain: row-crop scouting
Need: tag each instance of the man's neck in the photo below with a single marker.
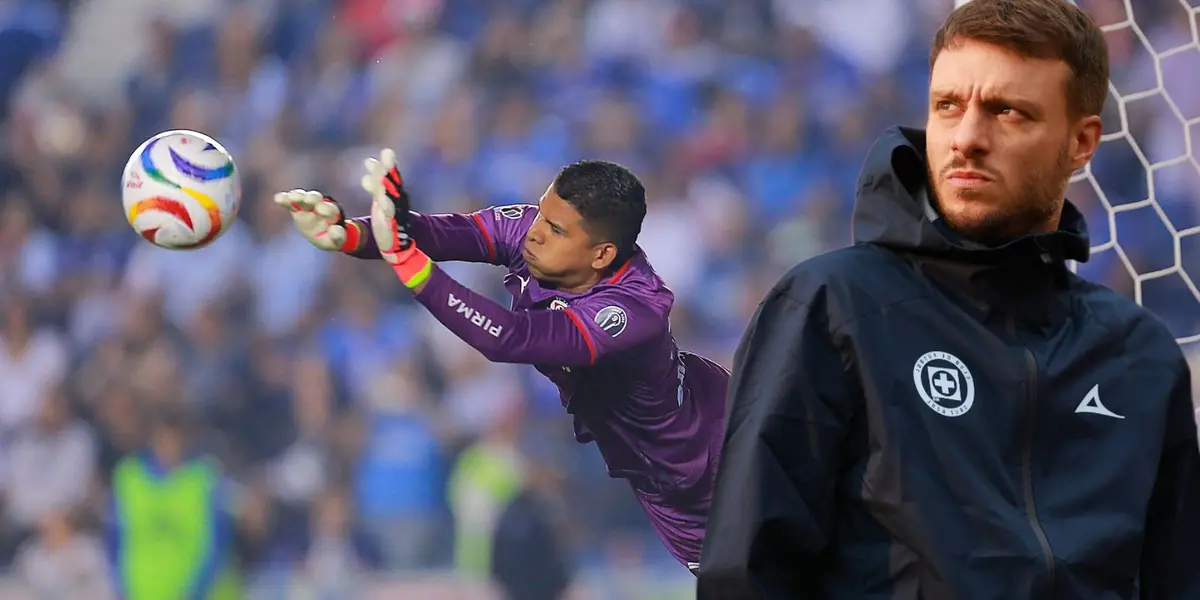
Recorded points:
(582, 286)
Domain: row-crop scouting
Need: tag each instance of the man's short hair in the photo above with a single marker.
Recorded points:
(1045, 29)
(611, 200)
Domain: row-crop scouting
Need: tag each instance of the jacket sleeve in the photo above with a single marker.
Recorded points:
(492, 235)
(596, 326)
(791, 400)
(1172, 540)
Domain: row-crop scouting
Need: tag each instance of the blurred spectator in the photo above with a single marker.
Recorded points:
(337, 556)
(171, 521)
(400, 477)
(298, 474)
(33, 360)
(63, 563)
(28, 253)
(486, 477)
(528, 557)
(52, 466)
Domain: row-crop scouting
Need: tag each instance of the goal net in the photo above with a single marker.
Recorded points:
(1141, 191)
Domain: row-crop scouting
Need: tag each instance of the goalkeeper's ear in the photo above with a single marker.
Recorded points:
(604, 255)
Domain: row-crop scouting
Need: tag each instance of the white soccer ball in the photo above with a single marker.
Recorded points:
(181, 190)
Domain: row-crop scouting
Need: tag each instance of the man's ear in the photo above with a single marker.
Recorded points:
(1086, 139)
(604, 255)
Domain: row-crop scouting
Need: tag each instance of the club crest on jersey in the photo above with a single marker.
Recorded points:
(944, 383)
(510, 212)
(612, 319)
(558, 304)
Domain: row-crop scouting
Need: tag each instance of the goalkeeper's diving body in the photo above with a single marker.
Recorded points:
(588, 312)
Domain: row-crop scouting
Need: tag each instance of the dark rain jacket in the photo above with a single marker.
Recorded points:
(915, 417)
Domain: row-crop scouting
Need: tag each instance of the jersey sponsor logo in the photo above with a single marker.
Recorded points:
(514, 211)
(945, 383)
(476, 318)
(612, 319)
(558, 304)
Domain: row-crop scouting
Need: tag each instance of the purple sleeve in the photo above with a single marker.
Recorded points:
(492, 235)
(598, 325)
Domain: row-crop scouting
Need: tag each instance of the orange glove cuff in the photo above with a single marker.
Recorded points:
(412, 266)
(354, 237)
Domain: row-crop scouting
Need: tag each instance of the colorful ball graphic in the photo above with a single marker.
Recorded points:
(181, 190)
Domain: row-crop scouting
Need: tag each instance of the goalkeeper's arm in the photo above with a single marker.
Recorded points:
(570, 337)
(490, 235)
(449, 237)
(446, 237)
(485, 236)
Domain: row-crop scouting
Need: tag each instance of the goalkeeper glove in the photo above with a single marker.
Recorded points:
(389, 221)
(320, 220)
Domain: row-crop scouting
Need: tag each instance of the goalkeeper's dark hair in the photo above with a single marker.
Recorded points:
(1046, 29)
(610, 198)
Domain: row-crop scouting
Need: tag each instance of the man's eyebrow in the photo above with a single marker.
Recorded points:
(552, 223)
(944, 93)
(1002, 97)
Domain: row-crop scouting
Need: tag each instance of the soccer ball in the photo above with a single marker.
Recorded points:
(181, 190)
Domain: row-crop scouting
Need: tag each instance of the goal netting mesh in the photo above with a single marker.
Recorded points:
(1141, 192)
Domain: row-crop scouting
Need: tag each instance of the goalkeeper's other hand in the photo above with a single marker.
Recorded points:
(317, 217)
(388, 220)
(383, 180)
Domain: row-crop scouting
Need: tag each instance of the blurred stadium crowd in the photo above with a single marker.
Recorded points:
(355, 435)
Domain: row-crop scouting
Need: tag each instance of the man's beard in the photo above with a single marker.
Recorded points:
(1038, 199)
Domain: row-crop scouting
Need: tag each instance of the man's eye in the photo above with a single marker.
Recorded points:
(1011, 113)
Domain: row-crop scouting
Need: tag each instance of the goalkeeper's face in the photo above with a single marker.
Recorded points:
(1001, 141)
(559, 250)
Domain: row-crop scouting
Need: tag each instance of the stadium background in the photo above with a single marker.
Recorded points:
(338, 409)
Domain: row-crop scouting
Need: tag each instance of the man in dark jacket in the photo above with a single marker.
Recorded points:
(943, 410)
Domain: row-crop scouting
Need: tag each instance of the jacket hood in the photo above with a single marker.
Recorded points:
(892, 210)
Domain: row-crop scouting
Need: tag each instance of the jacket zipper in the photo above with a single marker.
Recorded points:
(1027, 452)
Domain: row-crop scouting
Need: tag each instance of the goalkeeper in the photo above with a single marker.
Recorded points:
(588, 312)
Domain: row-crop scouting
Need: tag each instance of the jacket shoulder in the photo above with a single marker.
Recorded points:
(1145, 336)
(850, 283)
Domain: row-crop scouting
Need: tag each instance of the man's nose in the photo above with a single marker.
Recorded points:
(537, 232)
(972, 135)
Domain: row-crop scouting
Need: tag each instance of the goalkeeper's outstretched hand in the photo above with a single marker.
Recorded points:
(317, 217)
(383, 177)
(389, 221)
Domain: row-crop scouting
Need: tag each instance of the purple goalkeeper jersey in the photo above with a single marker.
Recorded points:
(655, 413)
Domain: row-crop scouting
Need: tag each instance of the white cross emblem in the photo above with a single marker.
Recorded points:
(944, 383)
